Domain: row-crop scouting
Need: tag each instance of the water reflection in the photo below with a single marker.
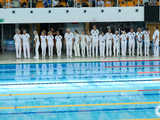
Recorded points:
(85, 71)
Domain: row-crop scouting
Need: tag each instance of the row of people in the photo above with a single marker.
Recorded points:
(23, 40)
(92, 42)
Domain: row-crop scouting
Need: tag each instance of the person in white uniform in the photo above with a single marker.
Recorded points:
(17, 38)
(69, 41)
(43, 38)
(146, 35)
(37, 44)
(131, 38)
(83, 43)
(123, 39)
(50, 41)
(139, 36)
(156, 41)
(95, 34)
(102, 39)
(88, 43)
(26, 46)
(109, 39)
(116, 41)
(76, 43)
(58, 39)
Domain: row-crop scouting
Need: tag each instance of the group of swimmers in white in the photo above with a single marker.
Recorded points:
(89, 44)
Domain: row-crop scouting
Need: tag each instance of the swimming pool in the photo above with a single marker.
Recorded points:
(119, 90)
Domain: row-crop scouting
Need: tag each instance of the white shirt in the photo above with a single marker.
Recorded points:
(43, 39)
(69, 37)
(116, 38)
(146, 36)
(123, 37)
(76, 36)
(95, 33)
(156, 34)
(131, 36)
(102, 38)
(50, 39)
(139, 36)
(58, 38)
(17, 38)
(88, 38)
(36, 38)
(25, 38)
(83, 37)
(109, 36)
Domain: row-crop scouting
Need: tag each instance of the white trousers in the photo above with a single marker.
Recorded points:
(76, 49)
(124, 48)
(116, 49)
(146, 48)
(83, 51)
(59, 48)
(69, 49)
(37, 50)
(18, 50)
(95, 47)
(50, 49)
(26, 50)
(131, 47)
(43, 47)
(108, 47)
(102, 49)
(89, 50)
(139, 48)
(156, 49)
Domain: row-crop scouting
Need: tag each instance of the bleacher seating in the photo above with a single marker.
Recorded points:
(108, 3)
(39, 4)
(68, 3)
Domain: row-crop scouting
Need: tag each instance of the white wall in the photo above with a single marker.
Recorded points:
(59, 15)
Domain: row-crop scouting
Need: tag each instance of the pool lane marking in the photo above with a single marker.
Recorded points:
(131, 60)
(81, 110)
(133, 66)
(79, 105)
(71, 97)
(149, 72)
(51, 83)
(146, 119)
(55, 93)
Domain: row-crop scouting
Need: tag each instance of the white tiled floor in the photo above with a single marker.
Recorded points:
(9, 58)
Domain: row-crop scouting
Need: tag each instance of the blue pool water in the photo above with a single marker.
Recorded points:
(80, 91)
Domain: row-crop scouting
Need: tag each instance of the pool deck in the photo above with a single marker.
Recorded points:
(9, 58)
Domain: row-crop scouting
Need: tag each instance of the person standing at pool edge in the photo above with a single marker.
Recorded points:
(88, 43)
(43, 44)
(102, 39)
(116, 44)
(37, 43)
(123, 39)
(83, 43)
(76, 43)
(131, 39)
(109, 39)
(146, 34)
(50, 42)
(58, 39)
(95, 34)
(26, 44)
(69, 41)
(17, 39)
(139, 36)
(156, 41)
